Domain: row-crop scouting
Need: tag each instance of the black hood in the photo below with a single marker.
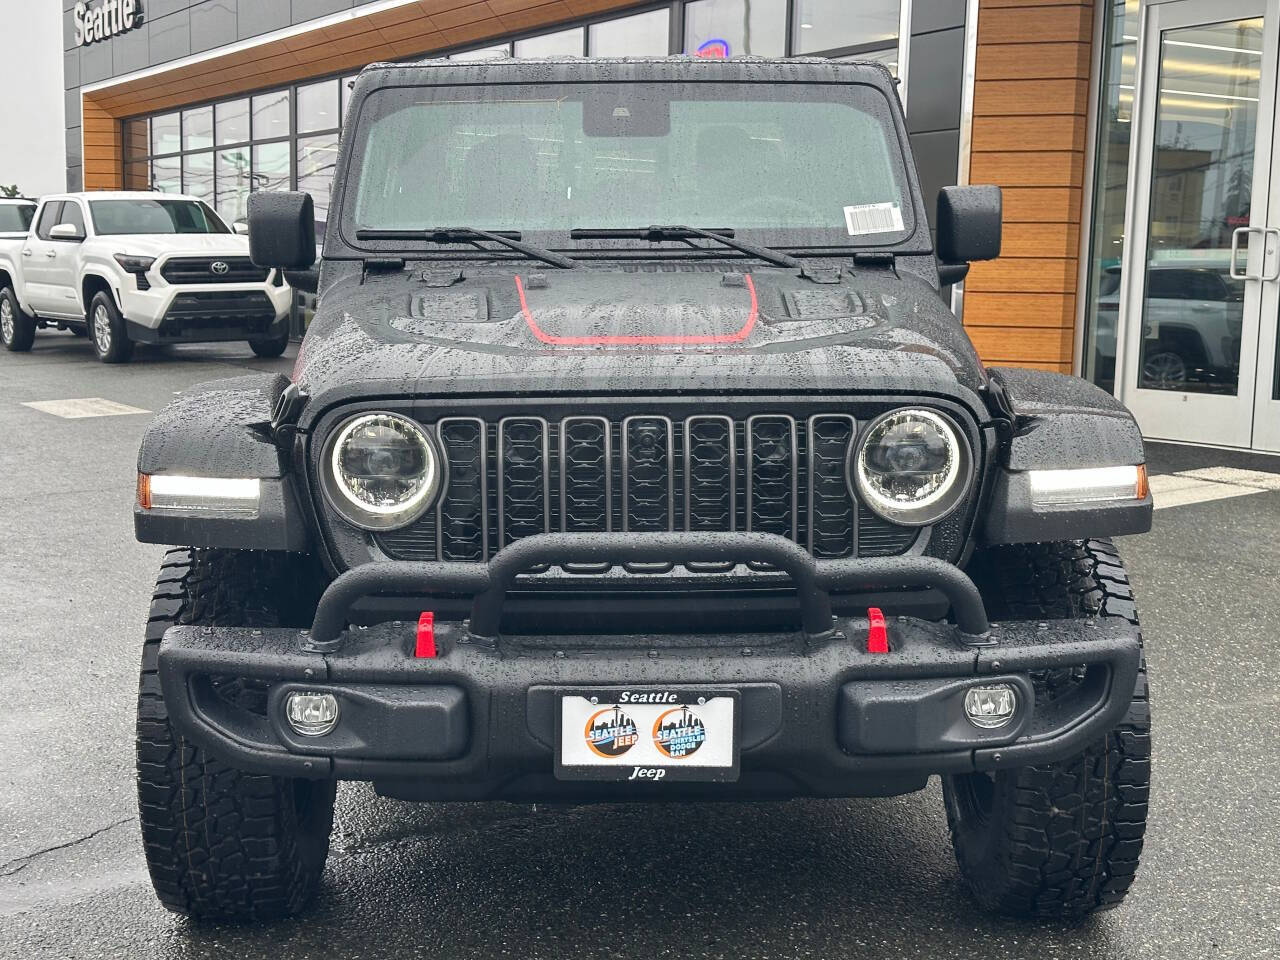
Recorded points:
(653, 328)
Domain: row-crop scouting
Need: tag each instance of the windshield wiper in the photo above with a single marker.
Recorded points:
(681, 232)
(507, 238)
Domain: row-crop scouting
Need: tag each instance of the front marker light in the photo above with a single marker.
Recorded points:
(221, 496)
(1088, 485)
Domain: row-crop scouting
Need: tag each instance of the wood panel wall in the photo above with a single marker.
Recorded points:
(1030, 108)
(418, 27)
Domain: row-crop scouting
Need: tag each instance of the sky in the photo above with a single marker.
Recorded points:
(33, 152)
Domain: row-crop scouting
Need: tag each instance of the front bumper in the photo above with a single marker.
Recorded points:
(820, 715)
(201, 313)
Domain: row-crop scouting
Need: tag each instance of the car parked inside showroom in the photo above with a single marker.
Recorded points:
(138, 267)
(634, 454)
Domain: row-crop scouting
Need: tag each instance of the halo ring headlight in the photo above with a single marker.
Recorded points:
(380, 471)
(912, 466)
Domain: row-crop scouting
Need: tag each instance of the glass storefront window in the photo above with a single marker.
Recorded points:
(730, 28)
(166, 134)
(197, 175)
(197, 128)
(318, 106)
(832, 24)
(1110, 193)
(166, 174)
(317, 158)
(231, 124)
(271, 163)
(559, 44)
(232, 182)
(484, 53)
(643, 35)
(271, 115)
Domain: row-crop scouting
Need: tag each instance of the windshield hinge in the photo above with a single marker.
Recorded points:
(820, 272)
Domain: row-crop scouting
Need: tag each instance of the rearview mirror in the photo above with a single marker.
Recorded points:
(969, 221)
(66, 231)
(241, 227)
(282, 230)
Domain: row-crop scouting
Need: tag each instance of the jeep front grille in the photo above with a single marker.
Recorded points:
(516, 476)
(190, 270)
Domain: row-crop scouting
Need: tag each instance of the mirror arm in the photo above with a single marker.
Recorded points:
(306, 280)
(949, 273)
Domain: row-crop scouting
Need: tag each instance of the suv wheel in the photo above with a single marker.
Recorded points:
(220, 843)
(271, 346)
(1056, 841)
(17, 330)
(107, 330)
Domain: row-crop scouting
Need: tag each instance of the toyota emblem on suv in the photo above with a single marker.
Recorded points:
(219, 267)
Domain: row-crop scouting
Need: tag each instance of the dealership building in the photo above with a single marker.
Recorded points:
(1133, 138)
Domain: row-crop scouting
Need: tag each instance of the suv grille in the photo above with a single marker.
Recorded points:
(200, 270)
(517, 476)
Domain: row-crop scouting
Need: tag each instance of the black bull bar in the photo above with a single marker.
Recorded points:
(489, 582)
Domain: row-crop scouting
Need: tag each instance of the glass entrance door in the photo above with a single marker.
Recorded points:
(1204, 267)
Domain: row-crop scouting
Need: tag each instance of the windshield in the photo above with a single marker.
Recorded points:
(149, 215)
(16, 217)
(805, 164)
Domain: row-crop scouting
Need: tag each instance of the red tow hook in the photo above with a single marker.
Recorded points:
(877, 635)
(425, 647)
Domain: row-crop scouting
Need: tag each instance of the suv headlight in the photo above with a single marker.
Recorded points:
(912, 466)
(380, 471)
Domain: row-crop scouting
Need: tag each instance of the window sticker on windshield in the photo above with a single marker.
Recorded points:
(873, 218)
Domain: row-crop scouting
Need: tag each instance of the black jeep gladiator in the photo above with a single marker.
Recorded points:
(633, 454)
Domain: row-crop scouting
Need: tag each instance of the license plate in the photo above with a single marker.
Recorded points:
(648, 734)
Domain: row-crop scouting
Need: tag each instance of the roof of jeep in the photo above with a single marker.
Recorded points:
(552, 69)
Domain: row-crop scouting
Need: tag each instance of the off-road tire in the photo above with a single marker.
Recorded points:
(17, 330)
(1056, 841)
(107, 330)
(220, 843)
(271, 347)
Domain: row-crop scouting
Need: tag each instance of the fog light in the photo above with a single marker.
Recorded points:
(991, 707)
(311, 714)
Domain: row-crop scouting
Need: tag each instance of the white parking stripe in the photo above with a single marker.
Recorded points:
(1244, 478)
(84, 407)
(1209, 483)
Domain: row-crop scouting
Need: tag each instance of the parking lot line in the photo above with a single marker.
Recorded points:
(83, 407)
(1209, 483)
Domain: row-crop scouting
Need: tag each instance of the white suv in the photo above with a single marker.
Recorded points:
(138, 267)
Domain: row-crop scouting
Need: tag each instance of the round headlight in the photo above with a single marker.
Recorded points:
(912, 467)
(381, 472)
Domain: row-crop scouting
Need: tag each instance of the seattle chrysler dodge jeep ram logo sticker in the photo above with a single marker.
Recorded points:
(109, 18)
(611, 733)
(219, 267)
(679, 733)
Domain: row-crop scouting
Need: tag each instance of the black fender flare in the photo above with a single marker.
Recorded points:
(224, 428)
(1059, 422)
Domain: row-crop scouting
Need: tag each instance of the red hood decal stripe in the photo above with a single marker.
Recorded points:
(646, 341)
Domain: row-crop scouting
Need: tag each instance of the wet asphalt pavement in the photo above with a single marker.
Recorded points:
(847, 878)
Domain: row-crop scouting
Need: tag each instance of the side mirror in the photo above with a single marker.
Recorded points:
(241, 227)
(66, 231)
(282, 230)
(968, 224)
